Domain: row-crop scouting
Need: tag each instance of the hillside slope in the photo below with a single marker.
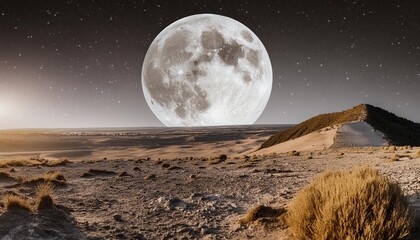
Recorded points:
(397, 130)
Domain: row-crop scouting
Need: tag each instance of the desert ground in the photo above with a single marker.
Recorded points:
(172, 184)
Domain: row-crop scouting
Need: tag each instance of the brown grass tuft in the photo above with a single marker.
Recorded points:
(55, 178)
(395, 158)
(217, 160)
(13, 202)
(392, 149)
(294, 153)
(355, 204)
(43, 198)
(33, 163)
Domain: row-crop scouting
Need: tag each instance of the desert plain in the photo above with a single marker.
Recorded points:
(174, 183)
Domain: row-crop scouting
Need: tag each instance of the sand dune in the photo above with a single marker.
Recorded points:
(354, 134)
(318, 140)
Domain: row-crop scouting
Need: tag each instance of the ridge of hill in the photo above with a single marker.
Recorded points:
(397, 130)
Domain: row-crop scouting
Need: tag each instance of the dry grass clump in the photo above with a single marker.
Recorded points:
(262, 213)
(355, 204)
(218, 160)
(392, 149)
(34, 162)
(294, 153)
(55, 163)
(43, 198)
(14, 202)
(19, 163)
(395, 158)
(55, 178)
(416, 155)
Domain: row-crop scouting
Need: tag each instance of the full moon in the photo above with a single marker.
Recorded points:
(207, 70)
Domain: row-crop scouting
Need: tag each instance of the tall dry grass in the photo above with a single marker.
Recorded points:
(44, 196)
(355, 204)
(13, 202)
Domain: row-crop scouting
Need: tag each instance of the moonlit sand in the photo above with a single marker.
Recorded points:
(152, 183)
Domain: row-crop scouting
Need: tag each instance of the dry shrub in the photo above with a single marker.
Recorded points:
(14, 202)
(55, 163)
(395, 158)
(43, 198)
(55, 178)
(294, 153)
(355, 204)
(392, 148)
(20, 163)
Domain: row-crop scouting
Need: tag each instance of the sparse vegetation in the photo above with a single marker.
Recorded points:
(55, 178)
(218, 160)
(294, 153)
(33, 162)
(392, 149)
(14, 202)
(395, 158)
(355, 204)
(44, 196)
(43, 199)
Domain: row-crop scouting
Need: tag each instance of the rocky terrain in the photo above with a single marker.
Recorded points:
(184, 198)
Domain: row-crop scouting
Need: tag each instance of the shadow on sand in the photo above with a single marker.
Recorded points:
(415, 205)
(51, 223)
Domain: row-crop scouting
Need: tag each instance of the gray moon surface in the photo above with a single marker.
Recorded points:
(207, 70)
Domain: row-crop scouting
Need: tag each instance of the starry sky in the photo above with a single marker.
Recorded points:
(78, 63)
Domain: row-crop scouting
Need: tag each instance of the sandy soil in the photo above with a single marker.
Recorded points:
(196, 199)
(186, 197)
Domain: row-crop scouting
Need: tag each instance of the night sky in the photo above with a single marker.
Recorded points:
(78, 63)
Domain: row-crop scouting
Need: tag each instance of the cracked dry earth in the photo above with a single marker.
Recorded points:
(196, 198)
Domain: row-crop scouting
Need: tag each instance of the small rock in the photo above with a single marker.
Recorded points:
(150, 176)
(124, 174)
(117, 217)
(185, 229)
(161, 200)
(175, 203)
